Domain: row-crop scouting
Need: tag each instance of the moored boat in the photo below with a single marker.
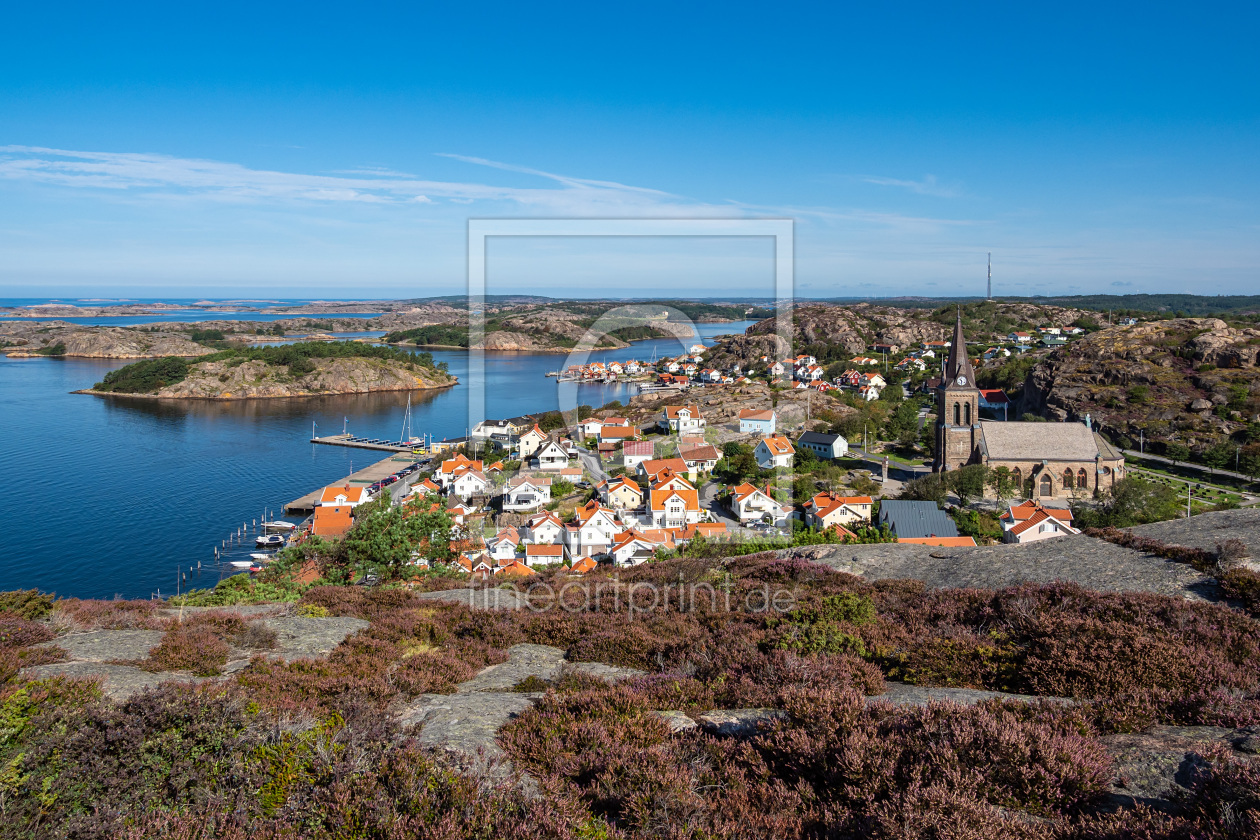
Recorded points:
(267, 540)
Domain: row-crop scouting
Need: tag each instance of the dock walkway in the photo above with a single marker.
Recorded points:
(360, 478)
(360, 443)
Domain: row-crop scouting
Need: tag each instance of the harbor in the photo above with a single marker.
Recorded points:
(365, 477)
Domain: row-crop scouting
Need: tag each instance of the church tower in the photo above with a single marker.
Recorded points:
(957, 408)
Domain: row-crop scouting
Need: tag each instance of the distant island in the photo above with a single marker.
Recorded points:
(305, 369)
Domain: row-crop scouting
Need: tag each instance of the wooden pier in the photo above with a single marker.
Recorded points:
(346, 440)
(360, 478)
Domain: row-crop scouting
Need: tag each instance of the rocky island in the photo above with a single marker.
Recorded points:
(297, 370)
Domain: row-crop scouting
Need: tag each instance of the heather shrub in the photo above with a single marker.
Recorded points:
(77, 614)
(1242, 585)
(29, 604)
(962, 660)
(16, 631)
(531, 684)
(189, 647)
(254, 636)
(80, 765)
(1225, 794)
(1230, 552)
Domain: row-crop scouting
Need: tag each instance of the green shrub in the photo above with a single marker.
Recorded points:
(145, 377)
(26, 603)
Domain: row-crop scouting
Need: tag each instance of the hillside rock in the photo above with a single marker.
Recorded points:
(95, 342)
(1163, 376)
(257, 379)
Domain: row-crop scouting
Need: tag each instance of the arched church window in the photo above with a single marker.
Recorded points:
(957, 414)
(1047, 485)
(1082, 478)
(1067, 479)
(1017, 478)
(967, 414)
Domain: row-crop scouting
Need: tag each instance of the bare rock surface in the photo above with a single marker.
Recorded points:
(607, 673)
(738, 723)
(1092, 563)
(298, 637)
(1156, 768)
(1207, 530)
(94, 653)
(468, 721)
(107, 645)
(900, 694)
(118, 682)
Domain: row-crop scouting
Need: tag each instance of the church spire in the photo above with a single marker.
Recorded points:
(959, 363)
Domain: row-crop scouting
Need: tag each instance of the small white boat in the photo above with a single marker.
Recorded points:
(241, 564)
(267, 540)
(278, 526)
(260, 557)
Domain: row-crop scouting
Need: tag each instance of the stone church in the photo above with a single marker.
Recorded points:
(1047, 460)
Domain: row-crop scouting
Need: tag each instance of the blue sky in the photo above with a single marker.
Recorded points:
(322, 150)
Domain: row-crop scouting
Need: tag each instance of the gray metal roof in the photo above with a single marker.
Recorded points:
(817, 437)
(1020, 441)
(916, 519)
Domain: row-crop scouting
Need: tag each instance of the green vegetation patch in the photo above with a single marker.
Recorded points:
(151, 375)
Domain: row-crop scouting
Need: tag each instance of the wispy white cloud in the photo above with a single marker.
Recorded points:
(154, 174)
(928, 186)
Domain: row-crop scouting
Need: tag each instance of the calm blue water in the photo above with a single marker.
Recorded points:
(112, 495)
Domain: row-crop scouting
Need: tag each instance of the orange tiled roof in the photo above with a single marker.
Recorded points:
(352, 494)
(584, 565)
(331, 520)
(671, 411)
(778, 445)
(952, 542)
(691, 500)
(756, 414)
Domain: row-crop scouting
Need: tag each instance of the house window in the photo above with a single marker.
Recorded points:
(1047, 485)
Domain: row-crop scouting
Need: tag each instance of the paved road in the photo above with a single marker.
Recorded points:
(590, 462)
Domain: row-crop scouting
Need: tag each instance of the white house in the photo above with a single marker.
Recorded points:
(752, 504)
(527, 493)
(552, 456)
(774, 451)
(336, 495)
(543, 555)
(469, 483)
(681, 419)
(620, 493)
(502, 546)
(674, 504)
(591, 535)
(826, 447)
(590, 426)
(543, 528)
(529, 442)
(1029, 522)
(631, 549)
(635, 452)
(701, 459)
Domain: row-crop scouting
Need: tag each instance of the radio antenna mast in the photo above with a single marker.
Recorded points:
(989, 293)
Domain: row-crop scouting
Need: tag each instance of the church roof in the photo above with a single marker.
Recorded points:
(959, 364)
(1017, 441)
